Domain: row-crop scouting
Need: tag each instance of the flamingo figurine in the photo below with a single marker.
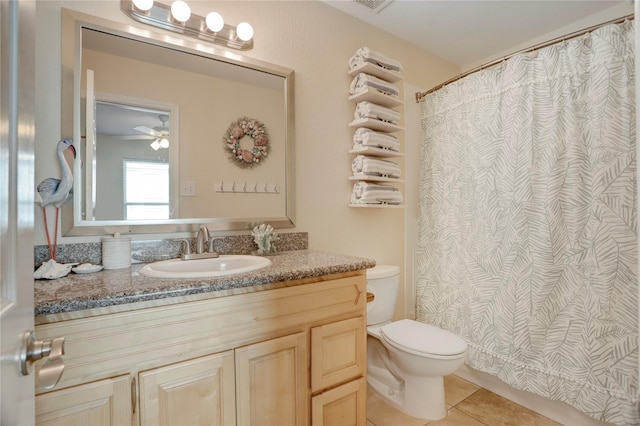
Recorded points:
(55, 191)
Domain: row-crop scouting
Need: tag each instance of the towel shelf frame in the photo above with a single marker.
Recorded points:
(376, 152)
(374, 96)
(389, 76)
(373, 124)
(377, 206)
(376, 179)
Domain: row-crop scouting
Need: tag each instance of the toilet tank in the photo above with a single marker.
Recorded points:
(382, 282)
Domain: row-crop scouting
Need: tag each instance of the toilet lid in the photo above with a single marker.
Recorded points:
(423, 338)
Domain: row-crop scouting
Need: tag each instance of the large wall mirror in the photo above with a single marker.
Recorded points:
(149, 114)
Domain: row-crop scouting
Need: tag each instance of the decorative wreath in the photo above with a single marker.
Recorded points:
(253, 128)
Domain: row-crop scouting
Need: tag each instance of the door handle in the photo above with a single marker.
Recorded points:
(33, 350)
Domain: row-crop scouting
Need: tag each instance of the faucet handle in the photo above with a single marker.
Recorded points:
(186, 245)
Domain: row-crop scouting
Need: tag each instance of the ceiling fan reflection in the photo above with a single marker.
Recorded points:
(159, 133)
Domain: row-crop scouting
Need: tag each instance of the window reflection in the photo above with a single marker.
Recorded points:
(146, 190)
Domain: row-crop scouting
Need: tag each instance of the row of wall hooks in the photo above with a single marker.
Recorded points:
(248, 187)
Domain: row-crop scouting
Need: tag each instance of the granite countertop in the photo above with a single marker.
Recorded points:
(78, 293)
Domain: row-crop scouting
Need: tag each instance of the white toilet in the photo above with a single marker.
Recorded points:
(406, 359)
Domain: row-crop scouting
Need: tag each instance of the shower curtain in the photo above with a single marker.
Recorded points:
(527, 243)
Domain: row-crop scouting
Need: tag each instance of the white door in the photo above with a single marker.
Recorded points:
(17, 71)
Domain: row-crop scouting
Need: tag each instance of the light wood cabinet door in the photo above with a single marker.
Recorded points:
(195, 392)
(272, 382)
(101, 403)
(345, 405)
(338, 353)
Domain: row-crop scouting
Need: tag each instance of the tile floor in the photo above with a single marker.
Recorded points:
(467, 405)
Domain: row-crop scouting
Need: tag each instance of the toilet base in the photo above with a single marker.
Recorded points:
(424, 398)
(393, 397)
(419, 396)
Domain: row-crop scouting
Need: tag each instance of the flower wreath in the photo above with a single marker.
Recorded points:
(237, 130)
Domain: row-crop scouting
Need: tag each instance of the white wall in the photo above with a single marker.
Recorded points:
(413, 142)
(614, 12)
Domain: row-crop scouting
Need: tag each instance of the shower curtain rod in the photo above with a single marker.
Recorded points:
(420, 95)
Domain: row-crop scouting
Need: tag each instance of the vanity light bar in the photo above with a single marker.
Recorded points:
(159, 15)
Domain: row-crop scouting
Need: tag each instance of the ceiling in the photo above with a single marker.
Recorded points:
(468, 31)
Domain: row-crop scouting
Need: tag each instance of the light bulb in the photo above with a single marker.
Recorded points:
(214, 22)
(143, 5)
(164, 143)
(180, 11)
(244, 31)
(155, 145)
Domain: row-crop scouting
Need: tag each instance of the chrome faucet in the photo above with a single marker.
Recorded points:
(201, 239)
(202, 243)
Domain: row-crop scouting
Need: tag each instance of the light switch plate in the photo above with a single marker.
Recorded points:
(188, 188)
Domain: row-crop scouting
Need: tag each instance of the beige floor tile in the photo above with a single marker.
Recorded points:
(369, 423)
(457, 389)
(456, 418)
(382, 414)
(494, 410)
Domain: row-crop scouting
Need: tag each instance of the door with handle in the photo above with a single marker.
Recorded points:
(17, 75)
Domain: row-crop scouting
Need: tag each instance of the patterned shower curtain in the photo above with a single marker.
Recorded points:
(528, 225)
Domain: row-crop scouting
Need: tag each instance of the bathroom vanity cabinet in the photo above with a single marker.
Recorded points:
(294, 355)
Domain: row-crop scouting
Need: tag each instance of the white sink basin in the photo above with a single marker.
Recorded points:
(205, 268)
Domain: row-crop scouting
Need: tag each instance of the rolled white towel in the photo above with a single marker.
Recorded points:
(369, 166)
(366, 109)
(367, 137)
(364, 54)
(363, 81)
(369, 193)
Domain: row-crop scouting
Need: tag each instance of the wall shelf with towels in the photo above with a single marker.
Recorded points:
(377, 97)
(376, 152)
(377, 206)
(373, 124)
(376, 71)
(376, 179)
(372, 136)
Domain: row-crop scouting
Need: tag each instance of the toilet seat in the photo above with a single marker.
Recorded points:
(423, 339)
(374, 330)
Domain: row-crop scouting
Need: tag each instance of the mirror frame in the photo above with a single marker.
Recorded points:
(71, 60)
